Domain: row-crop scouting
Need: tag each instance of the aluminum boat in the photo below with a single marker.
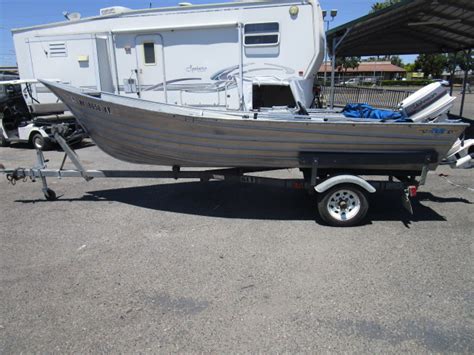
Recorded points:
(145, 132)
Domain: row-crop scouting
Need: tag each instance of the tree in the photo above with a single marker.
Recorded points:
(409, 67)
(371, 59)
(453, 60)
(465, 62)
(396, 60)
(383, 4)
(344, 63)
(431, 64)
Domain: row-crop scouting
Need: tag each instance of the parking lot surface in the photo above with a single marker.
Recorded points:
(122, 265)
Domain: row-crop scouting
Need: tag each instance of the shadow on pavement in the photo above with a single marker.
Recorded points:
(428, 196)
(231, 200)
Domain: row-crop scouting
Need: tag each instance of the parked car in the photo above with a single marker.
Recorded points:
(442, 81)
(353, 81)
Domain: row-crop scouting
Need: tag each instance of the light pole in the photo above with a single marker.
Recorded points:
(332, 14)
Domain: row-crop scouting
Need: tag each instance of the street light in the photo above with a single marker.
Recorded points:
(332, 14)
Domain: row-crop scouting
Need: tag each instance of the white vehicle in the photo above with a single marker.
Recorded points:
(238, 55)
(352, 81)
(27, 132)
(17, 125)
(38, 131)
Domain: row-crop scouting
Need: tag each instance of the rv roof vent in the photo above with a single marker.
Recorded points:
(114, 10)
(185, 4)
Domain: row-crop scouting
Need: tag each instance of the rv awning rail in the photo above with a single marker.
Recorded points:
(175, 28)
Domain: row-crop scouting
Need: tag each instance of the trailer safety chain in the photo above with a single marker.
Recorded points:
(17, 175)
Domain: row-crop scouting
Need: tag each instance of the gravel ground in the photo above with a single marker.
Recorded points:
(129, 265)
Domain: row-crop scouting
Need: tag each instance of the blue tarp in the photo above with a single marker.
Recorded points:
(367, 111)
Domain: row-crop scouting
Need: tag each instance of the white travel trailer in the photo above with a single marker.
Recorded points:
(231, 55)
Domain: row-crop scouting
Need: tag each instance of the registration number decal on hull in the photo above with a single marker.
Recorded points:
(91, 105)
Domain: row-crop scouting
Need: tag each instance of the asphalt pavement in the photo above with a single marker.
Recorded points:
(133, 265)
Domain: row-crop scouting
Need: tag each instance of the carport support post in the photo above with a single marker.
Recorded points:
(453, 74)
(333, 69)
(335, 44)
(464, 82)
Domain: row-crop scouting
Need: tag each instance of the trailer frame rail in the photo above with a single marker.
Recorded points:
(312, 163)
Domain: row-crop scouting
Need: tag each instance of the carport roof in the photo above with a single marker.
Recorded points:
(409, 27)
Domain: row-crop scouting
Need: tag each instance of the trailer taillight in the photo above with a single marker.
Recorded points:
(412, 189)
(297, 185)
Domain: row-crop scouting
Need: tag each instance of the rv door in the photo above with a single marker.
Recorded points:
(150, 73)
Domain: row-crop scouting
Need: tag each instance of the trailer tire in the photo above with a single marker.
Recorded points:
(39, 142)
(343, 205)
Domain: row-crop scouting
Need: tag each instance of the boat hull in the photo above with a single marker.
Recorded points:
(145, 132)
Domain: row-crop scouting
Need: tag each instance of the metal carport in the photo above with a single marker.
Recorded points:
(409, 27)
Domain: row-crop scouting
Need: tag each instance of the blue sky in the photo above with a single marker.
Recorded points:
(22, 13)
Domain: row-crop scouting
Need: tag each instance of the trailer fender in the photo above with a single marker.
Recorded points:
(344, 179)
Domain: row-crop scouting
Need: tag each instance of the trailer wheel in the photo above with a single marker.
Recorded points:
(39, 142)
(50, 195)
(343, 206)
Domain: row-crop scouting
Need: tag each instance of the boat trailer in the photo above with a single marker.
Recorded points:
(342, 197)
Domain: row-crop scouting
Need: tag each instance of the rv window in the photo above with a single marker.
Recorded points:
(261, 34)
(149, 52)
